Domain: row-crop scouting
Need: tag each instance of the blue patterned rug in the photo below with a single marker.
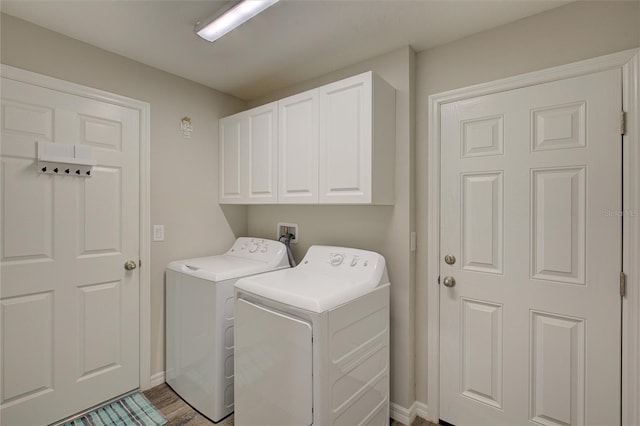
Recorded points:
(133, 409)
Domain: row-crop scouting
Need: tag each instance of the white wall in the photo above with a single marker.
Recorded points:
(567, 34)
(384, 229)
(184, 179)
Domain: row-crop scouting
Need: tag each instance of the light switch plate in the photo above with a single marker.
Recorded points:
(158, 232)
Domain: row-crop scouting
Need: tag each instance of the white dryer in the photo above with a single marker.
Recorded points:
(199, 321)
(312, 342)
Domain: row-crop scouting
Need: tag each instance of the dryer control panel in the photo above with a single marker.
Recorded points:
(354, 264)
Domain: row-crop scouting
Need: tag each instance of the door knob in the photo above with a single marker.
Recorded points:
(130, 265)
(449, 259)
(449, 281)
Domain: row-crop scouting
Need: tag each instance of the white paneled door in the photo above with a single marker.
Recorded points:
(531, 191)
(69, 309)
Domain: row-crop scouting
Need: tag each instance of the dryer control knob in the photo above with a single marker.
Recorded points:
(253, 248)
(336, 259)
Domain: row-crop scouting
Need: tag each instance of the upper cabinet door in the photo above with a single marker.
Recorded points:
(357, 141)
(261, 140)
(345, 135)
(230, 177)
(249, 156)
(298, 148)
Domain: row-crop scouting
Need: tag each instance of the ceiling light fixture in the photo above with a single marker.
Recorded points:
(236, 14)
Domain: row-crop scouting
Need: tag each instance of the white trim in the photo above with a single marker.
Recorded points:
(627, 62)
(156, 379)
(144, 110)
(631, 246)
(422, 410)
(403, 415)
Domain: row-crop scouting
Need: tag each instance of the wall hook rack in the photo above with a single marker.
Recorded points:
(65, 159)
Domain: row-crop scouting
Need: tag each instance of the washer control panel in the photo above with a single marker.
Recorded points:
(256, 248)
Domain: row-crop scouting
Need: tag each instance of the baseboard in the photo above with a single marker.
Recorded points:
(155, 380)
(403, 415)
(422, 410)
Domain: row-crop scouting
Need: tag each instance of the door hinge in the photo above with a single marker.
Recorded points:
(623, 284)
(438, 279)
(140, 262)
(623, 123)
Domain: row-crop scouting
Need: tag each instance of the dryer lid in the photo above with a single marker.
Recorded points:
(327, 277)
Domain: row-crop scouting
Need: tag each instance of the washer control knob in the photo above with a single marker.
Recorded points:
(253, 248)
(354, 261)
(336, 259)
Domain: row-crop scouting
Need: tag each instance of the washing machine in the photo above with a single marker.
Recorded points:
(199, 321)
(312, 342)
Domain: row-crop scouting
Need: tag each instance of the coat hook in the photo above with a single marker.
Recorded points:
(67, 171)
(78, 171)
(55, 170)
(88, 172)
(44, 169)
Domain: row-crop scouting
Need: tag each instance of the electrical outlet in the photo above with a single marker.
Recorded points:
(288, 228)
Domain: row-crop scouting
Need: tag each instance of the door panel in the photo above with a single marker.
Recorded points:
(29, 348)
(100, 202)
(27, 198)
(481, 349)
(69, 310)
(530, 333)
(557, 369)
(558, 224)
(482, 223)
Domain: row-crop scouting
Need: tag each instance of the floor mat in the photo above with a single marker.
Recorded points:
(133, 409)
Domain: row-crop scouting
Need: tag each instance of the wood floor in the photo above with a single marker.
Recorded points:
(179, 413)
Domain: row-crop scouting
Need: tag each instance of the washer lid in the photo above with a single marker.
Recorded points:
(219, 268)
(327, 277)
(247, 256)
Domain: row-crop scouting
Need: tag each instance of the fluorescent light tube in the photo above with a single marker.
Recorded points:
(232, 18)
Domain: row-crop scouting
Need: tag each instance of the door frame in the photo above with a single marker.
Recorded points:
(144, 109)
(628, 62)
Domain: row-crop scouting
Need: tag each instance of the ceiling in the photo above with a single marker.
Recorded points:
(292, 41)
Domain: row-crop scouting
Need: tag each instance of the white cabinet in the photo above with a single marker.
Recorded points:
(229, 160)
(330, 145)
(248, 156)
(298, 148)
(357, 141)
